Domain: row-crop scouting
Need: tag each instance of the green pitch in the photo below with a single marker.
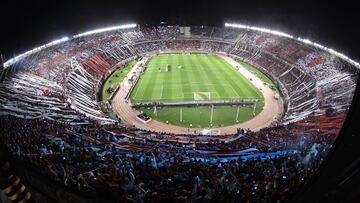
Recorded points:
(183, 77)
(114, 80)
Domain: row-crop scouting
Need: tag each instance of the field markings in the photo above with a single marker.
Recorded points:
(164, 98)
(208, 84)
(234, 91)
(178, 79)
(231, 77)
(221, 116)
(136, 89)
(190, 98)
(162, 89)
(223, 69)
(216, 75)
(199, 68)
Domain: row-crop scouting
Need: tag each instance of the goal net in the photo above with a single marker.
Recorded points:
(202, 96)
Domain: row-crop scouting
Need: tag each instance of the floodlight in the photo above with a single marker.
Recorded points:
(306, 41)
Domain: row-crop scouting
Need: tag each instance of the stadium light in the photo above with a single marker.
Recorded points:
(64, 39)
(105, 30)
(306, 41)
(274, 32)
(37, 49)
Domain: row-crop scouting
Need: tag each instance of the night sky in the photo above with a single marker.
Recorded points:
(28, 24)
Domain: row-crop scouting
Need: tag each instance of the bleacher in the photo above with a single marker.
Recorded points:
(52, 121)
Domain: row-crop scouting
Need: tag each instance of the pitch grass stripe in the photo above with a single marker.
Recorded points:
(159, 83)
(242, 91)
(204, 70)
(166, 90)
(232, 76)
(170, 81)
(250, 87)
(139, 91)
(225, 92)
(205, 73)
(234, 81)
(154, 90)
(167, 81)
(189, 72)
(199, 70)
(178, 79)
(136, 90)
(227, 76)
(221, 72)
(195, 75)
(194, 64)
(148, 83)
(185, 78)
(215, 71)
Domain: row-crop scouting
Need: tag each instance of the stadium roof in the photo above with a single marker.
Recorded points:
(124, 26)
(306, 41)
(64, 39)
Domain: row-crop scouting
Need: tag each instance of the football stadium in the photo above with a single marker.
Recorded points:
(186, 84)
(170, 113)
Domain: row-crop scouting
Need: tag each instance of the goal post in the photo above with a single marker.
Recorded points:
(202, 96)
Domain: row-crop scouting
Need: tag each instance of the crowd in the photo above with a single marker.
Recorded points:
(310, 79)
(92, 159)
(50, 119)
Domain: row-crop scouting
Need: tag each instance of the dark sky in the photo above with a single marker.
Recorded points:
(29, 24)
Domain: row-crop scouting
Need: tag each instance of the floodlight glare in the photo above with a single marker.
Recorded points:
(306, 41)
(40, 48)
(37, 49)
(274, 32)
(105, 30)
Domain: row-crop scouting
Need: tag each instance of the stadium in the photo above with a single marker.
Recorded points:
(171, 113)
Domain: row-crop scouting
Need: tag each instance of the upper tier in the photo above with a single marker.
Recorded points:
(61, 81)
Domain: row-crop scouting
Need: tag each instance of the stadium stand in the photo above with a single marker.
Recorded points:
(51, 120)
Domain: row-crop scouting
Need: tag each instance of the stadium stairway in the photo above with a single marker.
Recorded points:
(11, 187)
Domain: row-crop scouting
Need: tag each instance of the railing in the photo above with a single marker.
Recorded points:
(199, 103)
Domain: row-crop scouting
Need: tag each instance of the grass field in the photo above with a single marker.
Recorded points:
(182, 77)
(115, 79)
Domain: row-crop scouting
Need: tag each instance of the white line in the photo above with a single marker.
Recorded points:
(234, 91)
(162, 89)
(237, 114)
(137, 90)
(189, 98)
(198, 83)
(212, 112)
(181, 115)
